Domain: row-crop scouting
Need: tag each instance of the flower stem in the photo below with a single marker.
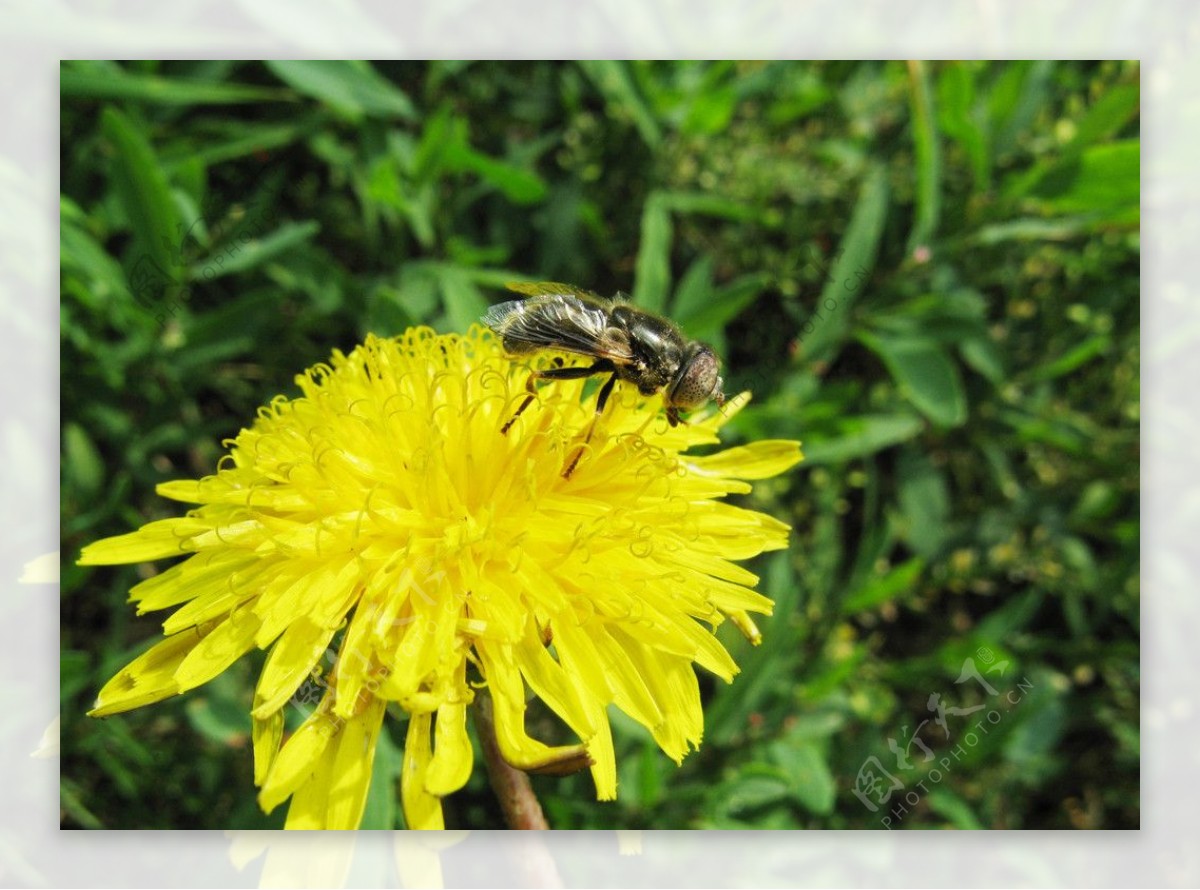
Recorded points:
(512, 786)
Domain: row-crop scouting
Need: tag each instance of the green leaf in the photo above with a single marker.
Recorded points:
(812, 727)
(1032, 229)
(82, 467)
(957, 811)
(1104, 180)
(1011, 618)
(221, 718)
(756, 785)
(885, 588)
(1097, 502)
(983, 355)
(1016, 98)
(928, 157)
(1043, 719)
(381, 811)
(707, 204)
(809, 776)
(695, 290)
(860, 436)
(1107, 115)
(653, 275)
(79, 253)
(856, 260)
(1074, 358)
(1105, 118)
(613, 80)
(119, 84)
(725, 304)
(245, 139)
(649, 777)
(725, 719)
(142, 188)
(519, 185)
(710, 112)
(232, 259)
(924, 499)
(925, 375)
(353, 88)
(1079, 558)
(464, 303)
(958, 118)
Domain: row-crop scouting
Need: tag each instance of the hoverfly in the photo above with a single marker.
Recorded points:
(625, 342)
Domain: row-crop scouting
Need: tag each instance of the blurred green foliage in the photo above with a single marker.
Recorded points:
(926, 272)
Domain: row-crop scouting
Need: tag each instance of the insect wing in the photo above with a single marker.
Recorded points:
(497, 317)
(551, 289)
(563, 321)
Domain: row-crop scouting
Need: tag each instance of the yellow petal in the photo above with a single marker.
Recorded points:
(215, 490)
(758, 460)
(150, 677)
(422, 810)
(154, 540)
(746, 625)
(266, 734)
(411, 661)
(630, 688)
(553, 685)
(573, 699)
(310, 804)
(674, 685)
(195, 577)
(229, 641)
(508, 707)
(729, 597)
(299, 759)
(291, 661)
(217, 599)
(351, 778)
(452, 753)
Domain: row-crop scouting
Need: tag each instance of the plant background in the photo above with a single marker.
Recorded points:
(927, 272)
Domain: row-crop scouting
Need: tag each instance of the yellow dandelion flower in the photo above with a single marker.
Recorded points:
(382, 518)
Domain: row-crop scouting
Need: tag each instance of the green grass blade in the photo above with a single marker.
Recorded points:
(141, 186)
(352, 88)
(853, 268)
(120, 85)
(653, 280)
(255, 252)
(928, 157)
(613, 80)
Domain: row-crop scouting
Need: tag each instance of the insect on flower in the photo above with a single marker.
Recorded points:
(628, 343)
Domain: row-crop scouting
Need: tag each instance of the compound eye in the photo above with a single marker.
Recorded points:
(698, 380)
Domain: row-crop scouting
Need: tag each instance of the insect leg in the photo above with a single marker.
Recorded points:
(601, 401)
(525, 404)
(598, 367)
